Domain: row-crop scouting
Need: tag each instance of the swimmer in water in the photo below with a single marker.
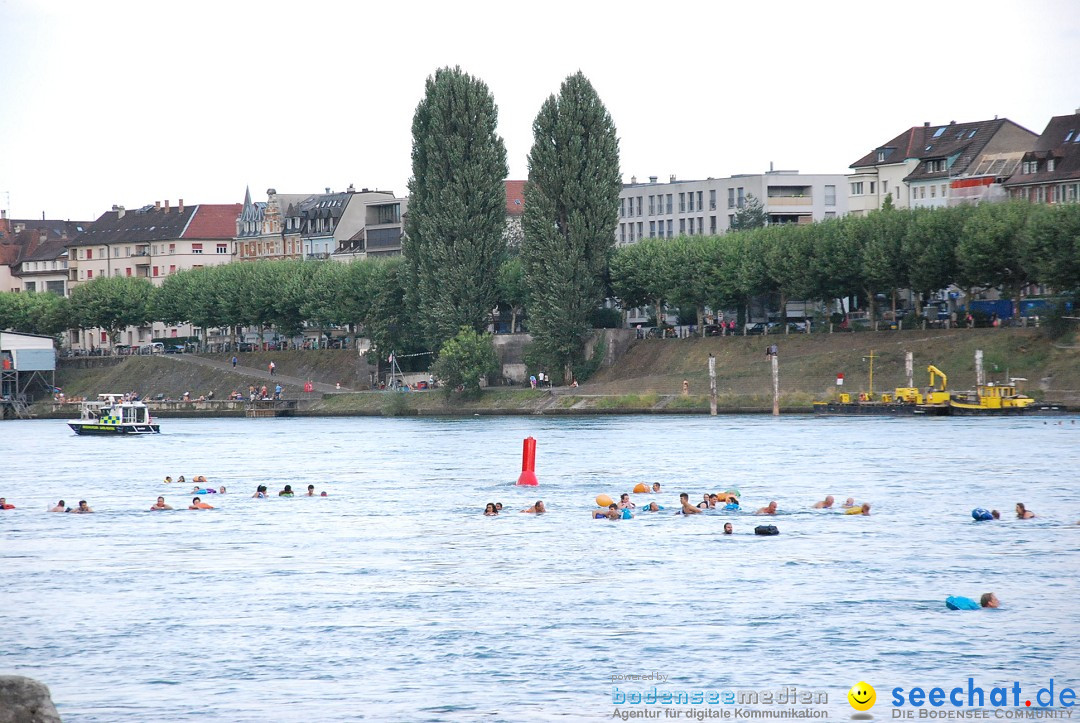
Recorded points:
(769, 509)
(197, 504)
(260, 492)
(1022, 512)
(613, 512)
(651, 507)
(537, 508)
(160, 505)
(989, 600)
(656, 488)
(4, 504)
(287, 492)
(322, 494)
(311, 490)
(687, 508)
(180, 480)
(625, 503)
(168, 480)
(489, 510)
(864, 509)
(995, 514)
(59, 507)
(498, 506)
(825, 504)
(222, 490)
(849, 502)
(727, 528)
(82, 509)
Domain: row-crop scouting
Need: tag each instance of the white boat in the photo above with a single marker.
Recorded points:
(110, 414)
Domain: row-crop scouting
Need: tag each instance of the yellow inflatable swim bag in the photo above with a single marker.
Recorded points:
(604, 501)
(853, 510)
(641, 487)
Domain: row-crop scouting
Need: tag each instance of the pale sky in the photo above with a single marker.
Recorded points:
(131, 102)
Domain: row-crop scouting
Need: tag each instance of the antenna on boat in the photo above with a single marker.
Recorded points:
(871, 358)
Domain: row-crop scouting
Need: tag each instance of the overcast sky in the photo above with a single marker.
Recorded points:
(134, 102)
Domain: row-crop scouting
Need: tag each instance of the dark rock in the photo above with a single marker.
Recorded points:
(25, 700)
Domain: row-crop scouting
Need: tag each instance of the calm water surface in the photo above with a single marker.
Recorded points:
(393, 598)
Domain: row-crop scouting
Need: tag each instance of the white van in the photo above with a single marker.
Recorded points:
(153, 348)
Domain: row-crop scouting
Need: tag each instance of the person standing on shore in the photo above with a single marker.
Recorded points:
(271, 366)
(234, 362)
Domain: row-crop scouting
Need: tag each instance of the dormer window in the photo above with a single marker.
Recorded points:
(880, 156)
(1068, 136)
(1050, 164)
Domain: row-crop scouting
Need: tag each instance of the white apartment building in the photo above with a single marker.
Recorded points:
(692, 208)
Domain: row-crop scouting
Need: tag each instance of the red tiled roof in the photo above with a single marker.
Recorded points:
(213, 221)
(515, 197)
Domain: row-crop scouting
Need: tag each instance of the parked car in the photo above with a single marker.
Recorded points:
(245, 346)
(757, 327)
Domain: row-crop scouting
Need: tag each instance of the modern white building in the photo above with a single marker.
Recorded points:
(707, 207)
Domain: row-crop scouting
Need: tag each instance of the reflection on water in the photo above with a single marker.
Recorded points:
(394, 597)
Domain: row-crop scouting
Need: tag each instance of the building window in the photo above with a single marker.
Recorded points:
(1049, 165)
(128, 271)
(933, 191)
(880, 156)
(172, 268)
(701, 224)
(89, 253)
(172, 248)
(1040, 194)
(622, 233)
(712, 199)
(652, 207)
(196, 248)
(830, 195)
(742, 197)
(670, 225)
(641, 229)
(223, 248)
(690, 202)
(943, 187)
(682, 203)
(640, 206)
(712, 225)
(731, 198)
(700, 205)
(830, 214)
(622, 208)
(631, 232)
(922, 192)
(871, 187)
(669, 203)
(856, 189)
(155, 271)
(89, 273)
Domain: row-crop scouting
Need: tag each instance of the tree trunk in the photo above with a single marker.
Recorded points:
(783, 312)
(701, 320)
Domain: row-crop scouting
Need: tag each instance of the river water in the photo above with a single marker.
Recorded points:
(394, 598)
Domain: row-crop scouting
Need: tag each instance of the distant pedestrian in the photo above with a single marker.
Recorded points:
(234, 362)
(271, 366)
(277, 392)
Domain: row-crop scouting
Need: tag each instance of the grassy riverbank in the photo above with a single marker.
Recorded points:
(648, 378)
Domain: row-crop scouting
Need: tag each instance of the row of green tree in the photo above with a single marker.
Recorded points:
(1005, 246)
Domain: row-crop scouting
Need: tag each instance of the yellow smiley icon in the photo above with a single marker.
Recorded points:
(862, 696)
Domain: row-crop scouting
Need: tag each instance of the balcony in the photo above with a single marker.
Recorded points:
(790, 201)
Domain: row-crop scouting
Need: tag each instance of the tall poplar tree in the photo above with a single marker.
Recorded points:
(457, 206)
(571, 207)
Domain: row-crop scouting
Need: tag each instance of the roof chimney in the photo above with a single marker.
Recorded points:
(119, 211)
(352, 188)
(652, 179)
(157, 205)
(3, 213)
(633, 180)
(328, 190)
(952, 123)
(180, 205)
(770, 166)
(166, 205)
(672, 178)
(926, 124)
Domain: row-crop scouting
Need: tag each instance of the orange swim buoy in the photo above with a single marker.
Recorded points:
(641, 487)
(603, 500)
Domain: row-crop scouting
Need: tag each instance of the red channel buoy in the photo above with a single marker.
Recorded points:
(528, 463)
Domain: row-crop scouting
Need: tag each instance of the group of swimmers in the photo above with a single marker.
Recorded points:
(492, 509)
